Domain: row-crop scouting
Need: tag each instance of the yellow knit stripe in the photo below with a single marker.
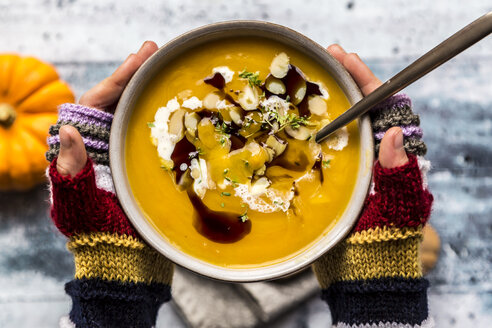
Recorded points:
(122, 258)
(354, 261)
(95, 238)
(384, 234)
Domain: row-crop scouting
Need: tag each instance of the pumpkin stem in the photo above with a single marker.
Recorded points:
(7, 115)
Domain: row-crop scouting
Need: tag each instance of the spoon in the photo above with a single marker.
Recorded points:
(443, 52)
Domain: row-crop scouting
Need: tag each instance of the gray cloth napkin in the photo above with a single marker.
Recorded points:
(205, 303)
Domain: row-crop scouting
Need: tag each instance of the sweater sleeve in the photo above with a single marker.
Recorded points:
(374, 277)
(119, 280)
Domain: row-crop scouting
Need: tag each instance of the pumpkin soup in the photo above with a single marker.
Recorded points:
(221, 156)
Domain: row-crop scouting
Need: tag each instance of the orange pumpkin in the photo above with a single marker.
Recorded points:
(30, 91)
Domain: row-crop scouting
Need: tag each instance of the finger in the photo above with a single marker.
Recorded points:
(392, 153)
(146, 50)
(363, 76)
(338, 52)
(123, 74)
(73, 156)
(106, 94)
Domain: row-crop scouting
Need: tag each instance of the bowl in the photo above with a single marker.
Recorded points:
(181, 45)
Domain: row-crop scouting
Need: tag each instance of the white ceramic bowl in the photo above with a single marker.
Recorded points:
(181, 45)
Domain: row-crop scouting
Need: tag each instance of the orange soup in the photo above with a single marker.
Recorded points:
(221, 157)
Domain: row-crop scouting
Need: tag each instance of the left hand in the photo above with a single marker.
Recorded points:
(103, 96)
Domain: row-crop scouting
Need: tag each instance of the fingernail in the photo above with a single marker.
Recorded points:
(398, 141)
(65, 141)
(340, 47)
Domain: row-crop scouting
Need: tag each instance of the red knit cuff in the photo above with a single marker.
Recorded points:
(80, 207)
(73, 198)
(399, 200)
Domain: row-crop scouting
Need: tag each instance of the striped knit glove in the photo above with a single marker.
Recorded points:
(120, 281)
(374, 278)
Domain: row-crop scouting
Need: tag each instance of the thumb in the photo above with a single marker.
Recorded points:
(72, 157)
(392, 153)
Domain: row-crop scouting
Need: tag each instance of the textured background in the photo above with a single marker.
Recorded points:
(88, 39)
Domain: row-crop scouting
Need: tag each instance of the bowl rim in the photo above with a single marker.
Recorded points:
(147, 71)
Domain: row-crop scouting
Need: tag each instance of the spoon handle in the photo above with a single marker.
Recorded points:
(446, 50)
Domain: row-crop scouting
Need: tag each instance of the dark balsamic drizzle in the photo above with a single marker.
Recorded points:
(303, 108)
(183, 152)
(312, 89)
(220, 227)
(237, 141)
(217, 81)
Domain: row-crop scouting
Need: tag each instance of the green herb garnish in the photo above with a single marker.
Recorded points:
(225, 193)
(253, 78)
(222, 205)
(222, 128)
(244, 217)
(326, 163)
(296, 121)
(271, 116)
(150, 124)
(234, 182)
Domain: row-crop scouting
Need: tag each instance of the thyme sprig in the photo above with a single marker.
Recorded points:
(272, 116)
(253, 78)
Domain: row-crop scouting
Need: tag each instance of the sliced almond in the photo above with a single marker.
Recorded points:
(261, 171)
(185, 180)
(296, 85)
(206, 133)
(317, 105)
(191, 122)
(276, 144)
(260, 186)
(185, 94)
(224, 113)
(210, 101)
(280, 65)
(249, 98)
(271, 154)
(236, 114)
(275, 85)
(301, 133)
(176, 126)
(298, 93)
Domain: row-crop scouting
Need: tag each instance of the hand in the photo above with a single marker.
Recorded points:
(392, 154)
(363, 76)
(104, 96)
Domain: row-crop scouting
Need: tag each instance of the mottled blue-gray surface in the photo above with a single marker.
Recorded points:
(88, 39)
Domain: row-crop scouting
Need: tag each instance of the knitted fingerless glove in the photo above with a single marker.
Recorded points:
(120, 281)
(374, 277)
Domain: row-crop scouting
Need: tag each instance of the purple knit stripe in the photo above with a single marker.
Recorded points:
(96, 144)
(398, 100)
(86, 111)
(408, 131)
(66, 116)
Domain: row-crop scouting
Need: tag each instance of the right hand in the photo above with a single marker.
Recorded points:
(392, 153)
